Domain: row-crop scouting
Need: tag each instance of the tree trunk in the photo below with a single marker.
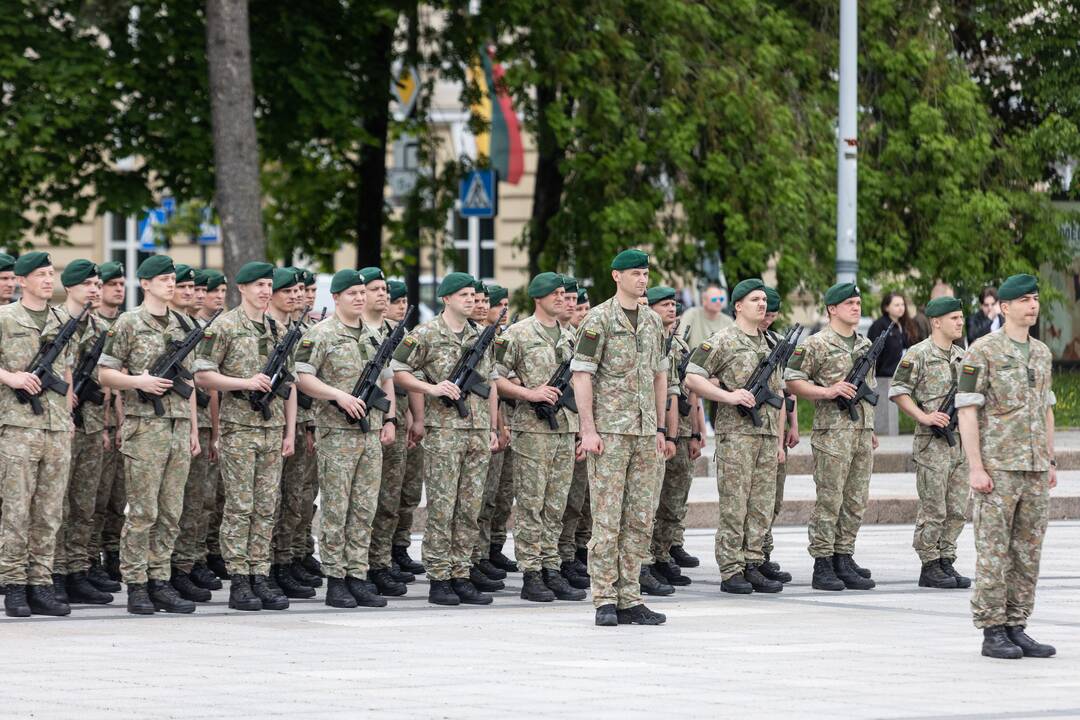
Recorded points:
(237, 193)
(548, 190)
(371, 170)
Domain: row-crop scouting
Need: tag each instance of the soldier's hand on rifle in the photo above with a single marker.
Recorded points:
(591, 443)
(979, 480)
(740, 397)
(935, 419)
(259, 383)
(152, 384)
(27, 382)
(446, 389)
(545, 394)
(353, 406)
(842, 389)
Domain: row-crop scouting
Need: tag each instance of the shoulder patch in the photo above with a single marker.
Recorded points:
(500, 348)
(905, 363)
(701, 353)
(590, 341)
(796, 360)
(208, 335)
(306, 343)
(405, 349)
(969, 378)
(903, 371)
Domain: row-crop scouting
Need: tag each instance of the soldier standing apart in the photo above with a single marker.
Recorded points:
(456, 449)
(35, 450)
(746, 456)
(1006, 408)
(619, 361)
(231, 359)
(843, 448)
(531, 351)
(925, 376)
(577, 519)
(157, 449)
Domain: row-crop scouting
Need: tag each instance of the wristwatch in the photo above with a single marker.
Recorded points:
(671, 440)
(662, 430)
(390, 421)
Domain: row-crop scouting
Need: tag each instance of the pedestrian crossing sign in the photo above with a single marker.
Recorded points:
(479, 195)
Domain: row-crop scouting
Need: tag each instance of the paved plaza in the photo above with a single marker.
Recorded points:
(894, 652)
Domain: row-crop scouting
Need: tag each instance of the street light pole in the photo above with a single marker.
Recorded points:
(847, 144)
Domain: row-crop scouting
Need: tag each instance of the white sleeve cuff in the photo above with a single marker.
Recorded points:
(898, 390)
(110, 362)
(303, 367)
(203, 364)
(583, 366)
(398, 366)
(970, 400)
(692, 368)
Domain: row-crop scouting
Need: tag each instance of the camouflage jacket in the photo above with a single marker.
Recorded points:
(305, 418)
(526, 351)
(675, 388)
(730, 356)
(135, 341)
(824, 359)
(19, 342)
(430, 351)
(89, 330)
(1012, 396)
(187, 324)
(90, 411)
(926, 373)
(623, 362)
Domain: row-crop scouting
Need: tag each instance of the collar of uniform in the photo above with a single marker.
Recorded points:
(470, 331)
(22, 317)
(250, 324)
(538, 327)
(340, 328)
(143, 315)
(618, 315)
(1008, 347)
(834, 338)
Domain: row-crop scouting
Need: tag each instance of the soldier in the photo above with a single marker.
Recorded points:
(1006, 413)
(456, 449)
(530, 352)
(746, 455)
(619, 360)
(216, 288)
(8, 282)
(157, 449)
(231, 359)
(330, 358)
(497, 507)
(926, 375)
(577, 518)
(843, 448)
(306, 567)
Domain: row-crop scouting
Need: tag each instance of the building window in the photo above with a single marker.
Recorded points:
(474, 246)
(123, 247)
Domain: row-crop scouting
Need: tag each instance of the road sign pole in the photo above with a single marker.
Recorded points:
(847, 145)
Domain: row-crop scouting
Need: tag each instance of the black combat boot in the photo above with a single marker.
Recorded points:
(859, 569)
(43, 601)
(80, 590)
(607, 616)
(772, 570)
(759, 582)
(100, 579)
(15, 604)
(933, 576)
(361, 592)
(138, 600)
(845, 570)
(271, 599)
(467, 592)
(240, 595)
(534, 589)
(947, 566)
(204, 577)
(385, 583)
(312, 565)
(402, 576)
(573, 577)
(1030, 647)
(499, 560)
(558, 585)
(736, 585)
(483, 582)
(338, 595)
(996, 644)
(668, 571)
(400, 554)
(216, 565)
(188, 590)
(650, 585)
(488, 568)
(112, 564)
(580, 567)
(302, 576)
(59, 582)
(682, 558)
(440, 593)
(289, 585)
(640, 615)
(825, 576)
(167, 599)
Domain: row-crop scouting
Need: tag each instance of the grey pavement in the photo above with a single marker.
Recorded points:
(894, 652)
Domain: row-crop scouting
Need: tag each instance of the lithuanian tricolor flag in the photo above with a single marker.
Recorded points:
(502, 143)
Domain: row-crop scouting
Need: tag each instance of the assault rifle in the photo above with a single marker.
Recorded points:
(83, 386)
(41, 364)
(948, 406)
(857, 377)
(464, 374)
(560, 380)
(302, 400)
(367, 385)
(170, 366)
(277, 370)
(758, 382)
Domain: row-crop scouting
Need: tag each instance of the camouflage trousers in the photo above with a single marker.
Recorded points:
(623, 483)
(941, 478)
(199, 496)
(487, 504)
(543, 470)
(33, 480)
(577, 517)
(350, 467)
(303, 541)
(217, 512)
(251, 472)
(504, 502)
(843, 461)
(80, 501)
(386, 514)
(1010, 522)
(412, 488)
(455, 466)
(157, 457)
(111, 503)
(298, 474)
(767, 544)
(746, 480)
(671, 509)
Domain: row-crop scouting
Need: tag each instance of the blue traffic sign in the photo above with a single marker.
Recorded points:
(147, 235)
(479, 195)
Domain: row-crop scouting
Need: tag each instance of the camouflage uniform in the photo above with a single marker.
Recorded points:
(1013, 396)
(503, 502)
(412, 488)
(35, 452)
(624, 479)
(745, 455)
(456, 449)
(157, 451)
(250, 447)
(350, 460)
(499, 469)
(842, 447)
(577, 512)
(927, 373)
(543, 457)
(671, 509)
(390, 490)
(111, 499)
(767, 544)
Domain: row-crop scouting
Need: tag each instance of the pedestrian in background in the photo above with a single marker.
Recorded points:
(893, 313)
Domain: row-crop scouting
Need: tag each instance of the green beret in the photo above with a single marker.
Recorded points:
(397, 289)
(942, 306)
(745, 288)
(309, 277)
(678, 308)
(110, 271)
(660, 293)
(184, 273)
(201, 278)
(285, 278)
(480, 288)
(31, 261)
(544, 284)
(569, 284)
(7, 263)
(78, 271)
(345, 279)
(253, 271)
(155, 265)
(372, 273)
(840, 292)
(772, 300)
(453, 282)
(1015, 286)
(497, 293)
(582, 296)
(630, 260)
